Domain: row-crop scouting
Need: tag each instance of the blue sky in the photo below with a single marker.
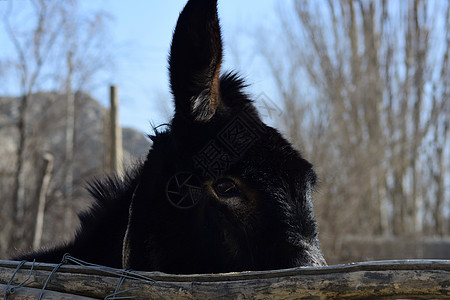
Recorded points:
(142, 30)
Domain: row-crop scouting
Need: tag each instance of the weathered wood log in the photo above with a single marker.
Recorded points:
(27, 293)
(387, 279)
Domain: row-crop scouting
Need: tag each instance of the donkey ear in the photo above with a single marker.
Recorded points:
(195, 59)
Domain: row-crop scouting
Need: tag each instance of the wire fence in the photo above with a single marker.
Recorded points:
(76, 279)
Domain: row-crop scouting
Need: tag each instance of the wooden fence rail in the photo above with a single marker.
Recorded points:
(423, 279)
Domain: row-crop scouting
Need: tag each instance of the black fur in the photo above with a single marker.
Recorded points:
(267, 224)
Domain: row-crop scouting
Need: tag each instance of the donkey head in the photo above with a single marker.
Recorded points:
(220, 191)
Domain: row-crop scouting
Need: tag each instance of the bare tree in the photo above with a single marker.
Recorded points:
(32, 53)
(366, 86)
(57, 48)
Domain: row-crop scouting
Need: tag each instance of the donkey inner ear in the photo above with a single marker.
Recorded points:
(195, 59)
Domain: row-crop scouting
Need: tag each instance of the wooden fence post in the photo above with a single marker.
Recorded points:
(114, 136)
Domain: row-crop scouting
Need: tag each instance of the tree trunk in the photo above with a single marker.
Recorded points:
(48, 158)
(70, 143)
(17, 204)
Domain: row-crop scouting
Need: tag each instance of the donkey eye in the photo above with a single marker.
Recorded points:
(226, 188)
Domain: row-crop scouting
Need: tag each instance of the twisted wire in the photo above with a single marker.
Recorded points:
(11, 290)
